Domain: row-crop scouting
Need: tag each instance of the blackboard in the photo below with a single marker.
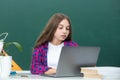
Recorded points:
(94, 23)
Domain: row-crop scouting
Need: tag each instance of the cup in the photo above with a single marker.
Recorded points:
(5, 66)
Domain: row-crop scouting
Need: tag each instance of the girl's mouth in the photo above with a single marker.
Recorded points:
(63, 36)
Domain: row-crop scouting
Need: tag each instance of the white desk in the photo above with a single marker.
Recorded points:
(109, 73)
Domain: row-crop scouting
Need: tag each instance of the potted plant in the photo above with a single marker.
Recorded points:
(5, 59)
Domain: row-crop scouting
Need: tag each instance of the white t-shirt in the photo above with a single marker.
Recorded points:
(53, 54)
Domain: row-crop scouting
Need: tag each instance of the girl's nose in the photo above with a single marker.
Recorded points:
(64, 30)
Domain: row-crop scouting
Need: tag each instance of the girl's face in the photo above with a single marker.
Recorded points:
(62, 31)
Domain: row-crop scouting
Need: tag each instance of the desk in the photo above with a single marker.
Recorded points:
(109, 73)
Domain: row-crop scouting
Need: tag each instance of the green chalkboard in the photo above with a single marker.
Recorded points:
(94, 22)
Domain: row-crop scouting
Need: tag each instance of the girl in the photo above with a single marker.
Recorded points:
(47, 49)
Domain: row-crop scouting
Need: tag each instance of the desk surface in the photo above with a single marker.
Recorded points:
(109, 73)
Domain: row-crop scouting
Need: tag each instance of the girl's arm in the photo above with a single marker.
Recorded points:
(38, 64)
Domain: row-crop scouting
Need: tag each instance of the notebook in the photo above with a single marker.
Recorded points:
(72, 58)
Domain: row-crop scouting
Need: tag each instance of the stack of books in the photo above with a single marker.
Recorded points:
(91, 73)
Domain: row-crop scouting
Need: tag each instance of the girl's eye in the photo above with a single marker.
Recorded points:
(67, 28)
(60, 28)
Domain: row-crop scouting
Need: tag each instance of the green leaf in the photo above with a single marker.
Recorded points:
(16, 44)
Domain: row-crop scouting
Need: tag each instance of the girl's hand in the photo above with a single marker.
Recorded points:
(50, 71)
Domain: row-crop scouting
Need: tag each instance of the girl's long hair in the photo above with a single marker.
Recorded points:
(48, 33)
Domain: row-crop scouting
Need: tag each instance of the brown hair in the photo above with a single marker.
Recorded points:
(50, 28)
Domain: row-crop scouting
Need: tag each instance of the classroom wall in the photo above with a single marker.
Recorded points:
(94, 22)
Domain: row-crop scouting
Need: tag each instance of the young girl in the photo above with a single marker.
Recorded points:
(47, 49)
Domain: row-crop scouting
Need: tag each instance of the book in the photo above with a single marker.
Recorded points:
(90, 73)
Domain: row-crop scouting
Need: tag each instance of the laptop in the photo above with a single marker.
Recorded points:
(72, 58)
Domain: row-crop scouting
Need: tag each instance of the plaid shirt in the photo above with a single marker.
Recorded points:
(39, 57)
